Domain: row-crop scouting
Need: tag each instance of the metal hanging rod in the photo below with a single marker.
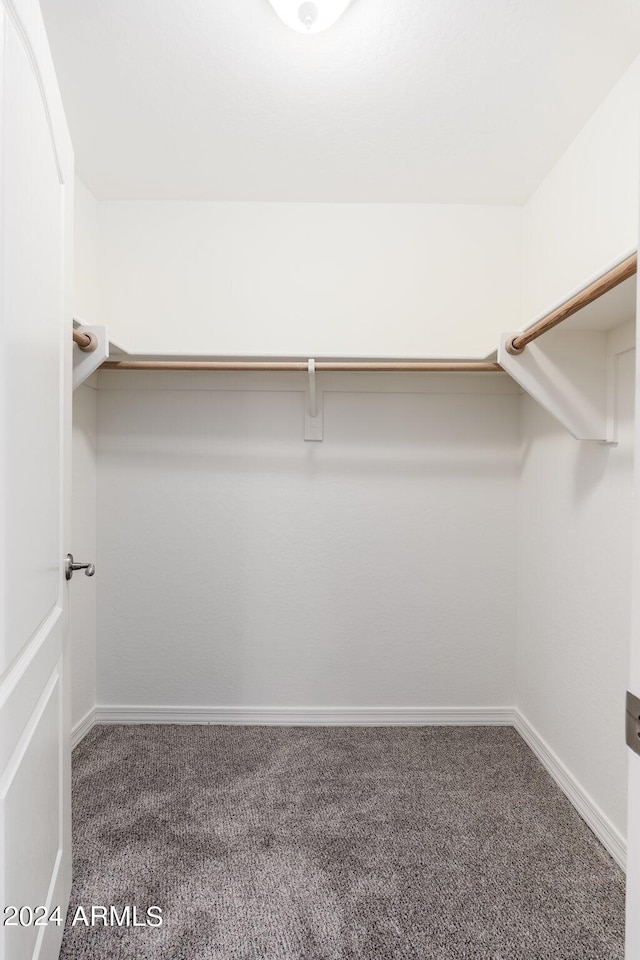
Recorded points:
(618, 274)
(417, 366)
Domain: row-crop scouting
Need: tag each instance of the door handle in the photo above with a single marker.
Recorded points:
(633, 722)
(70, 566)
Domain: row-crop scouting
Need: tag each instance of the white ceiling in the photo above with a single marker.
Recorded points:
(468, 101)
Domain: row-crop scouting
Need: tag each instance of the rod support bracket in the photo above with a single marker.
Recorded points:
(87, 359)
(92, 345)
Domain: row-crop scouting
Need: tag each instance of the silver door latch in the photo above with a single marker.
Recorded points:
(633, 722)
(70, 566)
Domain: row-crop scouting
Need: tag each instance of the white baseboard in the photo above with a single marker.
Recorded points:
(81, 729)
(310, 716)
(608, 835)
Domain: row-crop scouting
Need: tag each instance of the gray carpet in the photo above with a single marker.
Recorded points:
(336, 843)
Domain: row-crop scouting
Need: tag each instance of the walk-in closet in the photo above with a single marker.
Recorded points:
(321, 522)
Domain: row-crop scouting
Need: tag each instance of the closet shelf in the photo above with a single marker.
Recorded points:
(570, 371)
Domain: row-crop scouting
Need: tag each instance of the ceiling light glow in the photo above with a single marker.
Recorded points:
(307, 17)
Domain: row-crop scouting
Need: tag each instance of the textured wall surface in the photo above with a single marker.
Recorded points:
(243, 566)
(574, 595)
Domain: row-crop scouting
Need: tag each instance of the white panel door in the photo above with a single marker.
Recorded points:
(36, 182)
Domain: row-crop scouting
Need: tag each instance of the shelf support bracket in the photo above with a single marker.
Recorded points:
(567, 373)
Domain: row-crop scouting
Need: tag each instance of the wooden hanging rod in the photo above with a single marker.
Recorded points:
(86, 341)
(583, 298)
(401, 366)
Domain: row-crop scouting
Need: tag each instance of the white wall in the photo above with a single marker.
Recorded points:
(309, 279)
(241, 566)
(83, 591)
(584, 215)
(575, 498)
(574, 595)
(85, 251)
